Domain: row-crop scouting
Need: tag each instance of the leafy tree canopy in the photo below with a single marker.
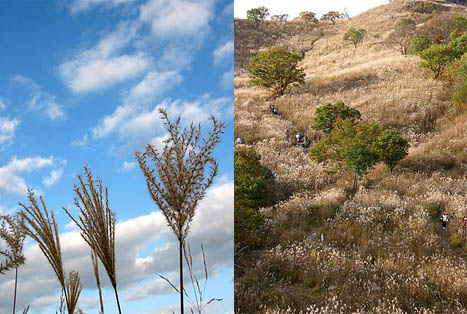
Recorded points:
(276, 69)
(355, 36)
(327, 115)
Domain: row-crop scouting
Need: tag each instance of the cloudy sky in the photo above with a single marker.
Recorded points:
(81, 83)
(294, 7)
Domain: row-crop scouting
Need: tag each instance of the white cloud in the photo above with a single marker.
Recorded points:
(83, 142)
(141, 125)
(10, 180)
(128, 166)
(83, 5)
(133, 237)
(176, 17)
(152, 85)
(39, 100)
(224, 53)
(110, 122)
(53, 177)
(7, 129)
(227, 81)
(103, 66)
(86, 75)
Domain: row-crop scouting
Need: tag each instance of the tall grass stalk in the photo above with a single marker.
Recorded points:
(42, 227)
(12, 233)
(176, 176)
(97, 225)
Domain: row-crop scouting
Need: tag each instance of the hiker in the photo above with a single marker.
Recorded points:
(273, 109)
(464, 224)
(305, 143)
(444, 220)
(297, 138)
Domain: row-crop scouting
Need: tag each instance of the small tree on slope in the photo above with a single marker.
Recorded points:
(276, 69)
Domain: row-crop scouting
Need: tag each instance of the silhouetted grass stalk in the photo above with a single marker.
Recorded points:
(177, 181)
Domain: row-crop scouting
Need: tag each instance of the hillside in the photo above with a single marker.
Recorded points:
(383, 250)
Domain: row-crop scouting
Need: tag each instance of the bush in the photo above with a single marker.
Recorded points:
(276, 69)
(308, 16)
(327, 115)
(355, 36)
(422, 7)
(332, 16)
(392, 148)
(434, 210)
(419, 43)
(456, 241)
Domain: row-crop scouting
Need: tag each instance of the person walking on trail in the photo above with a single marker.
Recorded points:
(273, 109)
(444, 220)
(464, 224)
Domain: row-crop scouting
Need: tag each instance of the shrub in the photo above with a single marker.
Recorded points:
(433, 209)
(392, 148)
(422, 7)
(327, 115)
(308, 16)
(456, 241)
(332, 16)
(276, 69)
(443, 27)
(355, 36)
(419, 43)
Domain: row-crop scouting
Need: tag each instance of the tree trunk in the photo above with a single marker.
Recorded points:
(355, 184)
(182, 309)
(16, 287)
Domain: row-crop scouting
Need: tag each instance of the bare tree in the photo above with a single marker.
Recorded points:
(97, 225)
(177, 179)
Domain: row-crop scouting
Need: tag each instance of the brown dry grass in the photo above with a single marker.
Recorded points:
(383, 251)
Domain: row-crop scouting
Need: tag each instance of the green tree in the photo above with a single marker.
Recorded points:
(327, 115)
(251, 184)
(346, 142)
(332, 16)
(392, 148)
(419, 43)
(437, 58)
(355, 36)
(308, 16)
(276, 69)
(360, 158)
(257, 15)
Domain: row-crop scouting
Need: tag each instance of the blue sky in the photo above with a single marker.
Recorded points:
(81, 82)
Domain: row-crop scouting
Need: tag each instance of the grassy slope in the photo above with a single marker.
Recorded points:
(382, 251)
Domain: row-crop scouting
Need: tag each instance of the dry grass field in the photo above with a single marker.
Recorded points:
(382, 251)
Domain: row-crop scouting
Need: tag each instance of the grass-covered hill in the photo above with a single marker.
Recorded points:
(303, 243)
